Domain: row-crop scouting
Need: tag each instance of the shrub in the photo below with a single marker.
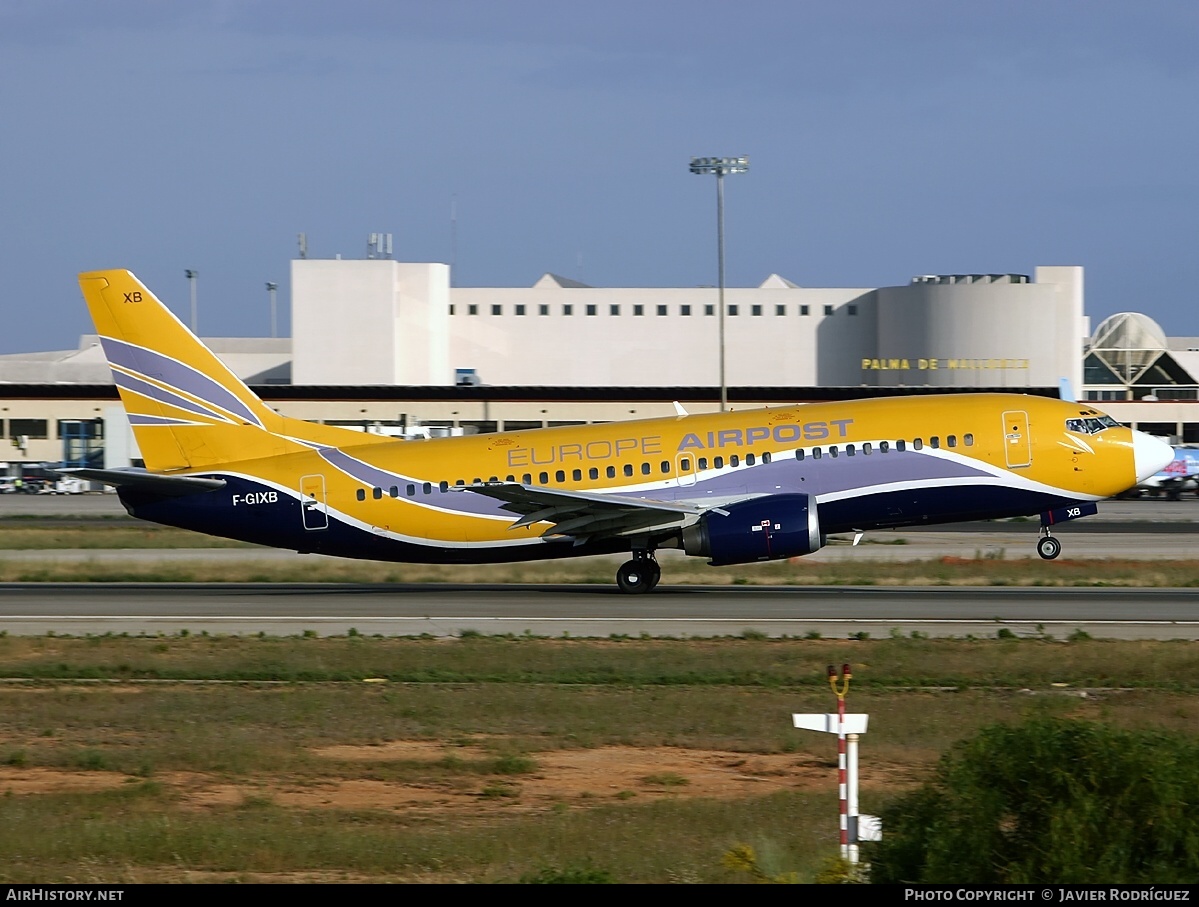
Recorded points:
(1049, 801)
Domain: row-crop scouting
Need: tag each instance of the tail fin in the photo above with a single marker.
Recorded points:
(186, 408)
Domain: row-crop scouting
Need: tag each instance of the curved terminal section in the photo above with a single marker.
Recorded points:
(1150, 455)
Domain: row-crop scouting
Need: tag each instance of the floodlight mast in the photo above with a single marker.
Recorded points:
(271, 287)
(191, 276)
(720, 166)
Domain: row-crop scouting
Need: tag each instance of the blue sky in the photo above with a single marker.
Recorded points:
(887, 138)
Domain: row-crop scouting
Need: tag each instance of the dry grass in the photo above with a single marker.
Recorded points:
(485, 759)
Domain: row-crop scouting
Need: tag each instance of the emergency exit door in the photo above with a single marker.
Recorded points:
(312, 502)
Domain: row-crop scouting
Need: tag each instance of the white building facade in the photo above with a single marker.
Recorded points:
(386, 322)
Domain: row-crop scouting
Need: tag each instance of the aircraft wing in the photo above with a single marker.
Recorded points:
(141, 479)
(580, 515)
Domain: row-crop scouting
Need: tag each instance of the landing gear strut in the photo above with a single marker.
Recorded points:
(640, 574)
(1047, 546)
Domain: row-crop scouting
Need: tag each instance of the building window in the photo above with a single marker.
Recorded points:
(851, 310)
(497, 310)
(590, 310)
(661, 310)
(732, 310)
(568, 309)
(709, 310)
(638, 310)
(451, 308)
(543, 310)
(29, 428)
(472, 309)
(756, 310)
(828, 310)
(803, 310)
(780, 310)
(612, 310)
(684, 310)
(520, 309)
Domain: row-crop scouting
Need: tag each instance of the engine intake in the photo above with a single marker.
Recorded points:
(761, 529)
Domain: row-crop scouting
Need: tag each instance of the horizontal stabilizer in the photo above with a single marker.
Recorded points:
(141, 479)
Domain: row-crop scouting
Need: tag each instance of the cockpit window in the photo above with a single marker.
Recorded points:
(1091, 426)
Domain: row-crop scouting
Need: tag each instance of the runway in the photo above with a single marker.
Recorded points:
(1139, 529)
(595, 611)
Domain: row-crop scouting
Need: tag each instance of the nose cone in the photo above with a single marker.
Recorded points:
(1150, 455)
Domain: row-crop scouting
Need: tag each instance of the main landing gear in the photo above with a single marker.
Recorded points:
(1047, 546)
(640, 574)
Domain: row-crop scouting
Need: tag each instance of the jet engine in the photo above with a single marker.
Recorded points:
(760, 529)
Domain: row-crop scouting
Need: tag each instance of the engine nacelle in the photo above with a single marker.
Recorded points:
(760, 529)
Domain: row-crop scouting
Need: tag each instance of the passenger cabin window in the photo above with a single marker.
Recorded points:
(866, 449)
(832, 451)
(718, 463)
(766, 457)
(749, 459)
(969, 439)
(901, 445)
(361, 494)
(884, 446)
(376, 493)
(593, 473)
(543, 478)
(560, 475)
(816, 453)
(734, 460)
(934, 442)
(799, 453)
(684, 465)
(665, 466)
(917, 444)
(527, 478)
(951, 440)
(427, 488)
(628, 469)
(702, 463)
(610, 472)
(645, 469)
(443, 485)
(849, 451)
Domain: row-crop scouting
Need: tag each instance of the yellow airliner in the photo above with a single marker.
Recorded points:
(735, 488)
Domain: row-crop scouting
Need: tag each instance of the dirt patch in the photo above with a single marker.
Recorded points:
(53, 781)
(572, 777)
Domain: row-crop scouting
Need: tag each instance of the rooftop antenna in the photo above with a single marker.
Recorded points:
(303, 238)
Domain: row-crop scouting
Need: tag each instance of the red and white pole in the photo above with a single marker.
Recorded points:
(842, 759)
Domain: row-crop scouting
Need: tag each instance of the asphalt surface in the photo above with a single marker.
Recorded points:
(582, 610)
(1138, 529)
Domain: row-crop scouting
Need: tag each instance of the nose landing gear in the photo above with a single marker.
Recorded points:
(1047, 546)
(640, 574)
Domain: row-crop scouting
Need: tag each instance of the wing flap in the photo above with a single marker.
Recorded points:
(582, 514)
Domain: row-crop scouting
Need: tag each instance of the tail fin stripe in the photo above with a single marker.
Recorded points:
(138, 386)
(173, 372)
(135, 419)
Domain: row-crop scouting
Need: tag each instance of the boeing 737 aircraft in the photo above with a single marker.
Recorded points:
(735, 488)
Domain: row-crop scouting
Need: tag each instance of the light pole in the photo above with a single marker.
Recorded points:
(720, 166)
(191, 278)
(270, 288)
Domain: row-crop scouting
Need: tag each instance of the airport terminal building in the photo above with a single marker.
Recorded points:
(389, 346)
